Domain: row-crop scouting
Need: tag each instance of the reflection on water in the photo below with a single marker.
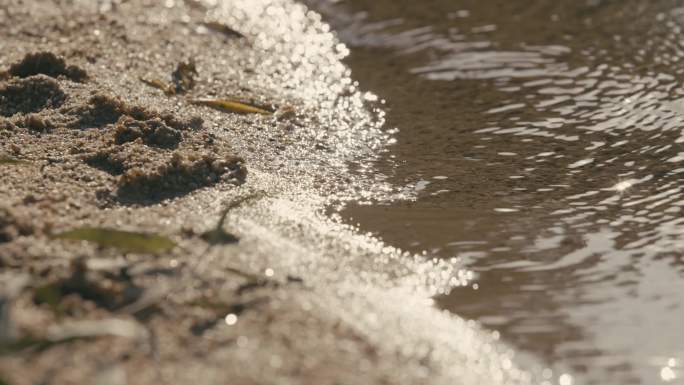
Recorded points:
(545, 143)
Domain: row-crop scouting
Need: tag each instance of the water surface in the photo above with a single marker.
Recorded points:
(543, 141)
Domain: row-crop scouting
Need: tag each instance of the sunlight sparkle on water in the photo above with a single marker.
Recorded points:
(231, 319)
(623, 186)
(667, 374)
(565, 379)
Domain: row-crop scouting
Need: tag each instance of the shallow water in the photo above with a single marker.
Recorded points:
(543, 142)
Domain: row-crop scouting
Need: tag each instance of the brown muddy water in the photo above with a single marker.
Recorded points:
(543, 143)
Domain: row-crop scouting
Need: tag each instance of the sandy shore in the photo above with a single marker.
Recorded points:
(280, 293)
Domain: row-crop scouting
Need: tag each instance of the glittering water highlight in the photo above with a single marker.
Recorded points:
(544, 143)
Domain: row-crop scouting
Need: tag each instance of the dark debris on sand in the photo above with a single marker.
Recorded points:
(46, 63)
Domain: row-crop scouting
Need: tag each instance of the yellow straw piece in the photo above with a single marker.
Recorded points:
(231, 106)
